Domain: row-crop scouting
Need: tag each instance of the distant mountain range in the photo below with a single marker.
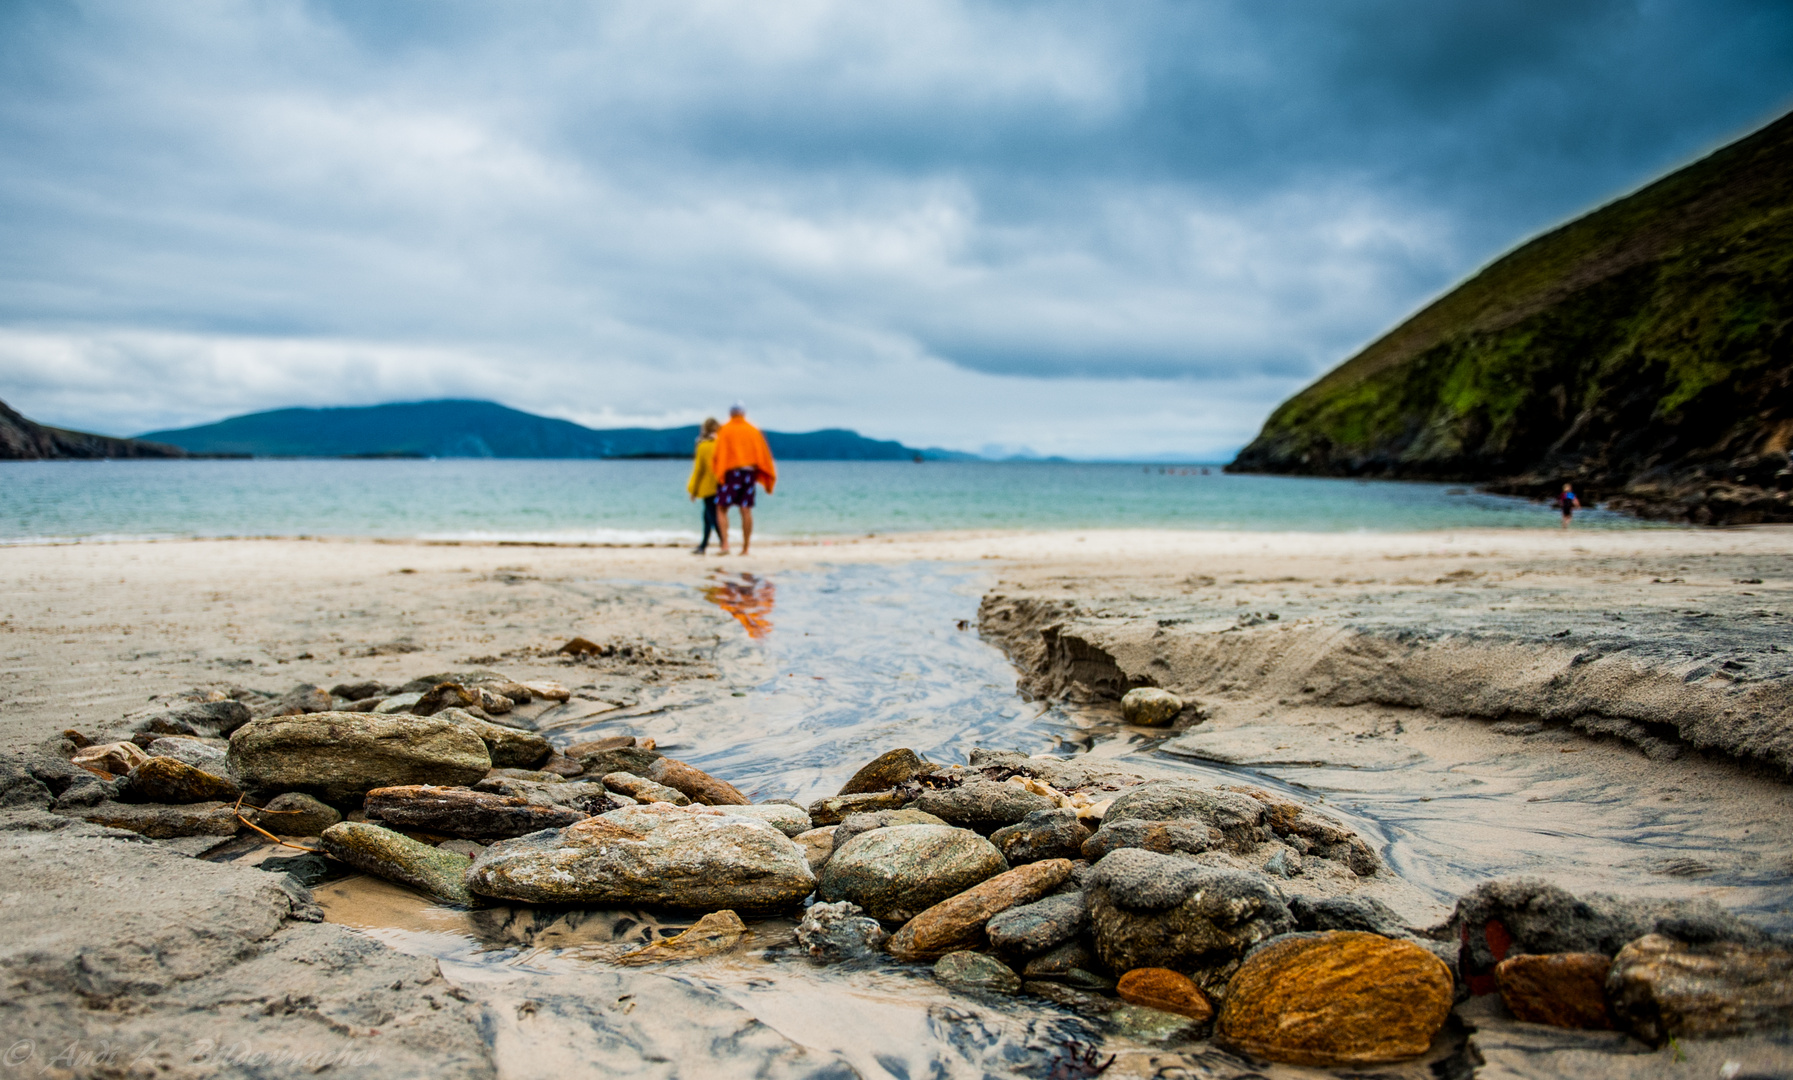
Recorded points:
(27, 440)
(483, 429)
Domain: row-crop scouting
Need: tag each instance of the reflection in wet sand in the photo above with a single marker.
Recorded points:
(749, 599)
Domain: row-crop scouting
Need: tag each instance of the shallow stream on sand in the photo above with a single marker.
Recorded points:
(841, 664)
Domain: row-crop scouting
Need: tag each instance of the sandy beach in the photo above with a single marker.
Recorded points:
(1492, 701)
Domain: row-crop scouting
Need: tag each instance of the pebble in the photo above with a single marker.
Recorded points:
(698, 785)
(715, 933)
(1150, 706)
(1335, 999)
(1560, 989)
(898, 872)
(1167, 990)
(463, 812)
(839, 931)
(1043, 834)
(1661, 988)
(396, 857)
(1039, 926)
(958, 922)
(339, 757)
(653, 856)
(983, 805)
(170, 780)
(642, 789)
(835, 810)
(885, 771)
(294, 813)
(975, 971)
(817, 845)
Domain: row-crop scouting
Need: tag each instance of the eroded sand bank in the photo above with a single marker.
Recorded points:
(1627, 691)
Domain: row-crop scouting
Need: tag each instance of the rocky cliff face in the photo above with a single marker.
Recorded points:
(1643, 352)
(24, 440)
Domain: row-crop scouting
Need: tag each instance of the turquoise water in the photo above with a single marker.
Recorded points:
(644, 501)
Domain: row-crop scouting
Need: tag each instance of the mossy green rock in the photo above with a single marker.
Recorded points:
(975, 971)
(339, 757)
(898, 872)
(397, 857)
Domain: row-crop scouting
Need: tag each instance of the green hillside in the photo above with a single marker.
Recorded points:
(482, 429)
(1644, 352)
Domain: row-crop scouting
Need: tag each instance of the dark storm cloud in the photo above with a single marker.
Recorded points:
(949, 222)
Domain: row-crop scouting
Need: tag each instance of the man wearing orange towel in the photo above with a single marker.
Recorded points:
(742, 458)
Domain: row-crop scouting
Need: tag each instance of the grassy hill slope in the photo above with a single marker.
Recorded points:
(27, 440)
(1644, 351)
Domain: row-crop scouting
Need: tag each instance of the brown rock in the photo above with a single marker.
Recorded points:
(700, 786)
(1661, 988)
(958, 922)
(160, 821)
(297, 814)
(1162, 988)
(884, 772)
(1335, 999)
(579, 646)
(717, 932)
(170, 780)
(548, 690)
(636, 760)
(1566, 990)
(465, 813)
(838, 809)
(108, 760)
(450, 695)
(817, 845)
(598, 746)
(644, 790)
(562, 765)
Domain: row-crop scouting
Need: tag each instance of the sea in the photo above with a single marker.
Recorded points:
(644, 502)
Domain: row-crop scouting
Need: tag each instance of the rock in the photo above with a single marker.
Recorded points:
(160, 822)
(717, 932)
(449, 695)
(1042, 925)
(301, 699)
(1150, 707)
(587, 796)
(509, 689)
(1236, 816)
(608, 742)
(535, 776)
(1151, 910)
(19, 788)
(644, 790)
(975, 971)
(170, 780)
(787, 819)
(1073, 962)
(1142, 1023)
(563, 766)
(307, 870)
(1346, 913)
(506, 746)
(653, 856)
(1335, 999)
(1164, 837)
(200, 755)
(898, 872)
(473, 849)
(837, 809)
(983, 806)
(1043, 834)
(1661, 988)
(1166, 990)
(463, 812)
(294, 813)
(110, 760)
(547, 690)
(840, 931)
(817, 845)
(397, 857)
(1560, 989)
(358, 691)
(633, 760)
(884, 772)
(700, 786)
(339, 757)
(854, 824)
(397, 703)
(208, 718)
(958, 922)
(1530, 915)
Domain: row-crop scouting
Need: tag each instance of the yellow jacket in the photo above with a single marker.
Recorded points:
(703, 478)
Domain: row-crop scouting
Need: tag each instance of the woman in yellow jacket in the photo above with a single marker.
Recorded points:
(702, 484)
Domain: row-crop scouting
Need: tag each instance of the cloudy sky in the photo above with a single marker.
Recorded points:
(1093, 229)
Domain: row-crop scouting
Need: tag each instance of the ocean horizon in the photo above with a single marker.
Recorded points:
(644, 502)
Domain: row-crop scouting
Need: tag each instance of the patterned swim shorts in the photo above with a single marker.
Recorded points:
(736, 488)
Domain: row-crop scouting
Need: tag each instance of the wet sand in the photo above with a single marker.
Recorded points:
(1477, 703)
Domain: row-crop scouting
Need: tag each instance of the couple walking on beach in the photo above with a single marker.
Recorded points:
(730, 459)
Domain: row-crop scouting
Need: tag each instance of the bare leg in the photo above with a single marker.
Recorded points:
(746, 528)
(722, 527)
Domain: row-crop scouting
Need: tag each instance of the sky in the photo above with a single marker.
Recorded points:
(1101, 230)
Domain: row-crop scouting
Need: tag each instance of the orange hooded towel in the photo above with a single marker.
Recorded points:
(739, 445)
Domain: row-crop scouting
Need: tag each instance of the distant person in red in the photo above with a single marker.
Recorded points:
(1567, 503)
(742, 458)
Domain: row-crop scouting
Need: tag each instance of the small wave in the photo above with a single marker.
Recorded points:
(608, 537)
(98, 538)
